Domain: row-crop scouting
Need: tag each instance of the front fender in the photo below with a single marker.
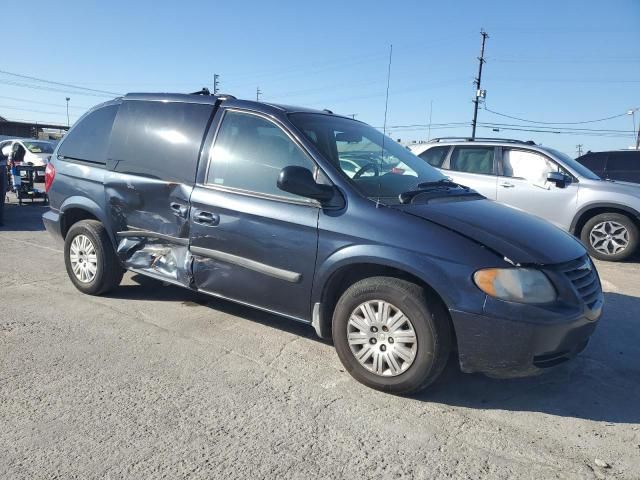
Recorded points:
(446, 277)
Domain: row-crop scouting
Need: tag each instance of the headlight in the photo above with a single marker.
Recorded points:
(523, 285)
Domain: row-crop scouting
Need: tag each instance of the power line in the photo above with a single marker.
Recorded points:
(52, 89)
(29, 110)
(554, 123)
(561, 132)
(60, 84)
(574, 129)
(42, 103)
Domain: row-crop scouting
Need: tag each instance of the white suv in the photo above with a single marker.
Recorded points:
(547, 183)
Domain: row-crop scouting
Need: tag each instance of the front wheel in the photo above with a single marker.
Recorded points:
(90, 259)
(390, 336)
(610, 236)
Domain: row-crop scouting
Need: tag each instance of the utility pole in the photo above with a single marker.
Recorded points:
(579, 151)
(353, 115)
(216, 83)
(258, 93)
(477, 82)
(68, 98)
(430, 115)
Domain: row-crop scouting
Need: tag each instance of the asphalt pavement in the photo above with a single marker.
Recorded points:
(155, 381)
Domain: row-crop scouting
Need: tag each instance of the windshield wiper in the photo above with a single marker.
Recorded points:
(439, 188)
(443, 182)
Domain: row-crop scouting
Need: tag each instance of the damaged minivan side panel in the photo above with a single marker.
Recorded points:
(152, 162)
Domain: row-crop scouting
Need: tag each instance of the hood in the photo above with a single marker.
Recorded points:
(518, 236)
(617, 186)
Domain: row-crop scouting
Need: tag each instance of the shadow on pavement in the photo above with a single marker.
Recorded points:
(23, 218)
(601, 384)
(148, 289)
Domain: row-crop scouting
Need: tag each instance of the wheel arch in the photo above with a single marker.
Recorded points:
(334, 281)
(589, 211)
(78, 208)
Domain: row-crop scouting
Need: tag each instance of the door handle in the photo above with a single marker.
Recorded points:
(507, 185)
(178, 209)
(207, 218)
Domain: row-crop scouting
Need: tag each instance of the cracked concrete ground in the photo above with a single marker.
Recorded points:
(159, 382)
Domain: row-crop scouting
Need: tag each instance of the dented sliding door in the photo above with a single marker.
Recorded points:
(152, 161)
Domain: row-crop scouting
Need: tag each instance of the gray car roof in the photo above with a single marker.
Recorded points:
(212, 99)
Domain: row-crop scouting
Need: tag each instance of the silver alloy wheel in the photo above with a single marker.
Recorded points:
(83, 258)
(382, 338)
(609, 237)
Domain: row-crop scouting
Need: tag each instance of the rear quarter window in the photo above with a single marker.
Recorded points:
(435, 156)
(627, 161)
(594, 162)
(88, 140)
(159, 140)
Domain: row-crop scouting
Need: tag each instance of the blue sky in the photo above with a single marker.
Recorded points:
(548, 61)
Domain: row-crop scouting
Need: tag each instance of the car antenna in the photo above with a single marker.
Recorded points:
(384, 125)
(204, 91)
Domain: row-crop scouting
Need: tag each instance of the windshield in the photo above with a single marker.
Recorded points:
(575, 166)
(356, 150)
(39, 147)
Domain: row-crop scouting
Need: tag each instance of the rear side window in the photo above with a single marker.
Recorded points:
(625, 161)
(159, 140)
(89, 139)
(435, 156)
(473, 160)
(594, 162)
(249, 153)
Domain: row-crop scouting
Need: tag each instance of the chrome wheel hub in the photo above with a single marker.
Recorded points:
(382, 338)
(609, 237)
(83, 258)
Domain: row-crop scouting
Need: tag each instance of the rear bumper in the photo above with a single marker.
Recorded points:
(51, 220)
(506, 348)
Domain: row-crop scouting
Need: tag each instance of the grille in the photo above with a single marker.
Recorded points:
(584, 278)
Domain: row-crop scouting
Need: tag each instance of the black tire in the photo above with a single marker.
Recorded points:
(428, 318)
(109, 272)
(626, 222)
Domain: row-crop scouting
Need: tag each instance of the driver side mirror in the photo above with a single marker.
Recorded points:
(300, 181)
(560, 179)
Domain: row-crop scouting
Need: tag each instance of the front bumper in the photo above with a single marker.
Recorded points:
(508, 348)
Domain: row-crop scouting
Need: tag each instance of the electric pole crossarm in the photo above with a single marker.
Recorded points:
(478, 82)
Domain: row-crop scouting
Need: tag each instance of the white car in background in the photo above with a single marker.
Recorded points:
(36, 152)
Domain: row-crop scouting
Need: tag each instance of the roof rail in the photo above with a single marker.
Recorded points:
(482, 139)
(221, 96)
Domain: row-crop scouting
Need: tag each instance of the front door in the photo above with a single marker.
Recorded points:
(474, 167)
(524, 185)
(252, 242)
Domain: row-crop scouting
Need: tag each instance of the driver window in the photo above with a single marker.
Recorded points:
(249, 153)
(529, 166)
(360, 157)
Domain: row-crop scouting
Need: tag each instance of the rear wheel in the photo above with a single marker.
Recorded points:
(90, 259)
(610, 236)
(390, 335)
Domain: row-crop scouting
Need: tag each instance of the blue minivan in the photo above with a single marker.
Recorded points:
(322, 219)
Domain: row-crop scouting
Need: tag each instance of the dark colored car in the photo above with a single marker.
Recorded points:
(248, 201)
(621, 165)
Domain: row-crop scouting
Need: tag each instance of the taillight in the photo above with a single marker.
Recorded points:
(49, 175)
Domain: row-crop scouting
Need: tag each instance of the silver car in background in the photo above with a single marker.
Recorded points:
(545, 182)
